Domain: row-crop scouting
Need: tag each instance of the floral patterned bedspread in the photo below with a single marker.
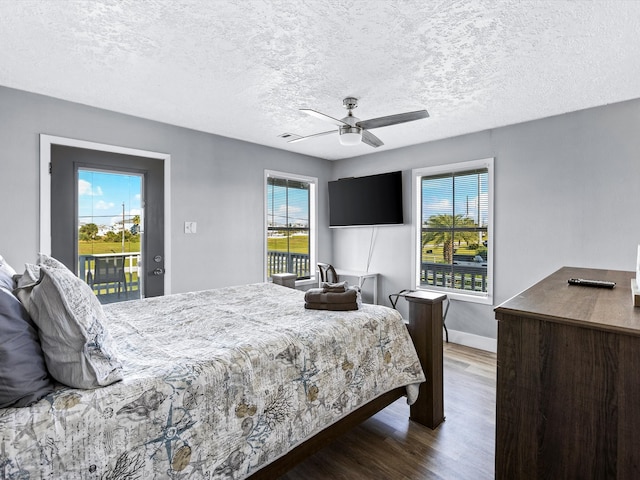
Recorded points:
(216, 384)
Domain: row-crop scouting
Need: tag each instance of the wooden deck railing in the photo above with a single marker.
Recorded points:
(131, 262)
(463, 277)
(283, 262)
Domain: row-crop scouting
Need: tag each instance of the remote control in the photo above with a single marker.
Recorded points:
(591, 283)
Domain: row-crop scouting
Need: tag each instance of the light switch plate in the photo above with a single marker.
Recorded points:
(190, 227)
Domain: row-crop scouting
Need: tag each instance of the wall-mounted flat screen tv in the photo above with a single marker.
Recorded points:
(370, 200)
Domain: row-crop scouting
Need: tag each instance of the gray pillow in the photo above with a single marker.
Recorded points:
(78, 349)
(23, 374)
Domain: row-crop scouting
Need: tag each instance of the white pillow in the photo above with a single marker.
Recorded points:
(44, 259)
(26, 282)
(6, 275)
(78, 349)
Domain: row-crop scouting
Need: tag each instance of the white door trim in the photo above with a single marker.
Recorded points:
(45, 190)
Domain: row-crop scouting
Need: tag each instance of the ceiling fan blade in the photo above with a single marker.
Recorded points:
(392, 119)
(322, 116)
(370, 139)
(299, 139)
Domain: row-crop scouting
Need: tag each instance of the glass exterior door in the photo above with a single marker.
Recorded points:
(109, 223)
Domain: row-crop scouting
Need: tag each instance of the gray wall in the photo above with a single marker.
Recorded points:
(567, 190)
(215, 181)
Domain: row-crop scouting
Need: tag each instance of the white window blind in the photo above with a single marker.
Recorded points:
(454, 251)
(288, 226)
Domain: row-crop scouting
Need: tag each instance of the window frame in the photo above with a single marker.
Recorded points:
(416, 195)
(313, 222)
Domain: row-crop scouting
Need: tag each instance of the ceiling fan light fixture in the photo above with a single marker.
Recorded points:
(350, 135)
(352, 130)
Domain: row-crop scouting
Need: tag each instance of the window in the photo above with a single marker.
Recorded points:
(454, 235)
(290, 225)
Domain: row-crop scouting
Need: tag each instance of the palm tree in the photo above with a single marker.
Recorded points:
(439, 229)
(88, 232)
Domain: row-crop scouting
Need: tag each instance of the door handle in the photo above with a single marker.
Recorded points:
(158, 271)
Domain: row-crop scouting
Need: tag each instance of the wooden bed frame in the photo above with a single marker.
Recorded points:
(425, 328)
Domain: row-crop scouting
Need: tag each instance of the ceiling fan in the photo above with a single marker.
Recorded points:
(352, 130)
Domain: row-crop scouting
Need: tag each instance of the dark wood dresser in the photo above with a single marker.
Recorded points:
(568, 388)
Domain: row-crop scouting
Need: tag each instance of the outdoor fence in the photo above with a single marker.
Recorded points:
(283, 262)
(86, 265)
(464, 277)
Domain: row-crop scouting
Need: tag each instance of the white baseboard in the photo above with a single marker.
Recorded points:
(473, 341)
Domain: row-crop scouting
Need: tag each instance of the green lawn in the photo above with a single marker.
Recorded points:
(436, 252)
(88, 248)
(300, 244)
(297, 244)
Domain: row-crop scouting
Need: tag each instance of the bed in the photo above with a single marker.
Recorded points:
(234, 382)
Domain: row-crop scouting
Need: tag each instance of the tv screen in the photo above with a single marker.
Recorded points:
(371, 200)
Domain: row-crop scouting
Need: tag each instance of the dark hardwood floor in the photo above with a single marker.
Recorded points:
(389, 446)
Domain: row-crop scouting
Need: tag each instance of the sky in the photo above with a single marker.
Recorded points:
(101, 195)
(277, 207)
(437, 195)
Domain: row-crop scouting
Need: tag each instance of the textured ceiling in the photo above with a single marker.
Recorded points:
(243, 68)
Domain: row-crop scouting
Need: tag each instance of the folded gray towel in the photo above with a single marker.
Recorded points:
(312, 291)
(336, 307)
(334, 287)
(317, 295)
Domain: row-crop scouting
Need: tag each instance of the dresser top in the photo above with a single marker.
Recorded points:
(553, 299)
